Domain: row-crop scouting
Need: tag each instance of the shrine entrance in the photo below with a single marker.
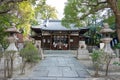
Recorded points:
(60, 42)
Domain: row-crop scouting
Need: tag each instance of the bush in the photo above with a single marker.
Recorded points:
(29, 54)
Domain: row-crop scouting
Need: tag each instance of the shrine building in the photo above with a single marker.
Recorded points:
(55, 36)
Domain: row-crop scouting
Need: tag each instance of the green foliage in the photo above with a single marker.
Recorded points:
(5, 22)
(22, 13)
(110, 20)
(97, 56)
(117, 46)
(78, 11)
(71, 13)
(116, 63)
(118, 3)
(97, 60)
(45, 11)
(29, 53)
(26, 16)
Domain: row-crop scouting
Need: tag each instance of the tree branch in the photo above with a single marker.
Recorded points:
(6, 11)
(14, 1)
(93, 11)
(10, 1)
(6, 3)
(114, 6)
(97, 3)
(102, 2)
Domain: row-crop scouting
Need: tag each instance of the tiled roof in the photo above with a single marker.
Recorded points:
(54, 25)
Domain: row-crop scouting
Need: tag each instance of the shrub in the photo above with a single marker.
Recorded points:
(29, 54)
(96, 58)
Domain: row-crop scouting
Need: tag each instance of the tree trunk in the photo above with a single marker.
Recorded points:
(5, 69)
(107, 67)
(118, 26)
(8, 68)
(96, 71)
(23, 67)
(11, 69)
(114, 6)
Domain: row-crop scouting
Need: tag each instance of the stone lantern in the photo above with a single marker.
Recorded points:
(106, 31)
(109, 53)
(12, 38)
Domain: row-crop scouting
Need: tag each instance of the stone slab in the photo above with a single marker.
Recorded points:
(55, 73)
(69, 73)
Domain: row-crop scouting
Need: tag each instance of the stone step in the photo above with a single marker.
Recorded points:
(63, 53)
(59, 51)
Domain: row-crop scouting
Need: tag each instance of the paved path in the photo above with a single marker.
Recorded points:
(59, 68)
(62, 53)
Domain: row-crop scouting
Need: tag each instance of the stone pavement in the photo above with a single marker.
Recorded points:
(58, 68)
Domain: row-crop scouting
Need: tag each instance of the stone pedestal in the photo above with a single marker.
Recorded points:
(82, 53)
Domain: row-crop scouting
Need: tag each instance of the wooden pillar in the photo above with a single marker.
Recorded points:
(43, 42)
(69, 40)
(51, 41)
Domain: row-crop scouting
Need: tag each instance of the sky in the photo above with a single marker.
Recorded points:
(59, 5)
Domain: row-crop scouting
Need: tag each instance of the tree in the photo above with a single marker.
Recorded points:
(25, 15)
(21, 14)
(77, 10)
(45, 11)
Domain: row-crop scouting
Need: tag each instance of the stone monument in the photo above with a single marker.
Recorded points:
(82, 53)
